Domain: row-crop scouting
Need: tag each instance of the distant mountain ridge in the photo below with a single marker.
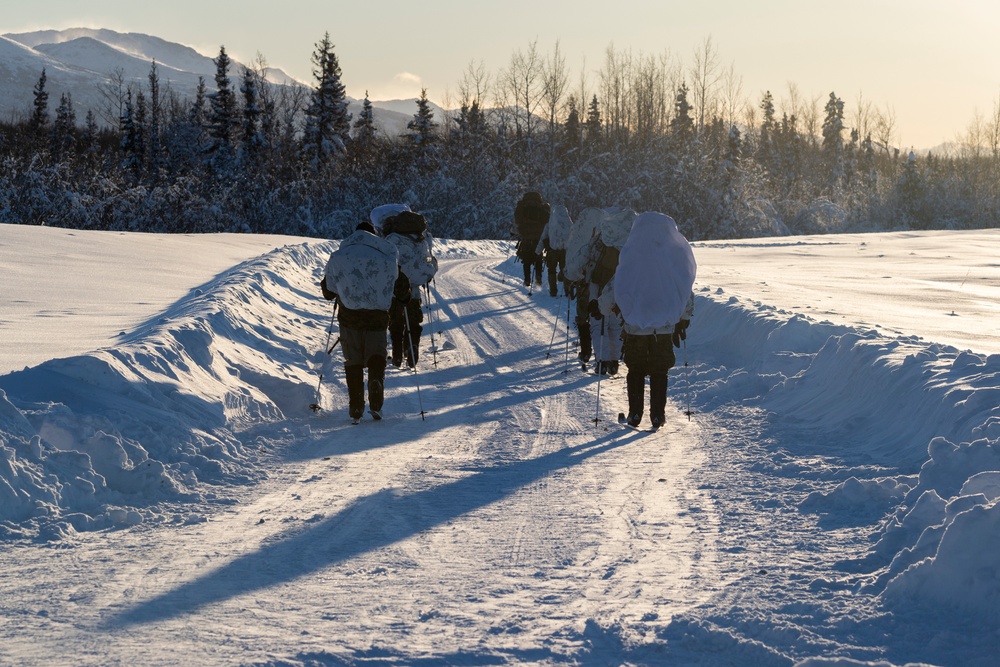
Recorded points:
(79, 61)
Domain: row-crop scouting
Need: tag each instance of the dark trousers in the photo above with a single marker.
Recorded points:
(582, 319)
(530, 259)
(555, 260)
(364, 349)
(651, 356)
(405, 330)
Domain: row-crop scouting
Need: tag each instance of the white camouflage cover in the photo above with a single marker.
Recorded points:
(616, 226)
(362, 272)
(415, 258)
(655, 276)
(580, 243)
(380, 213)
(559, 226)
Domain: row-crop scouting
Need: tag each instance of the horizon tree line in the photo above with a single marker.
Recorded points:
(251, 156)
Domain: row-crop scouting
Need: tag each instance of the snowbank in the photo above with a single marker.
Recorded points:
(926, 414)
(99, 439)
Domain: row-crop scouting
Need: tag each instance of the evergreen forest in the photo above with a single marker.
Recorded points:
(649, 133)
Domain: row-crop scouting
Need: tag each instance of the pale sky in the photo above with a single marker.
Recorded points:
(934, 64)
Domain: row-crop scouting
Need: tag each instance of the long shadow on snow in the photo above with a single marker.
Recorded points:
(370, 523)
(484, 396)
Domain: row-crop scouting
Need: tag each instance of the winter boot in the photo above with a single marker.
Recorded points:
(397, 350)
(635, 386)
(376, 384)
(657, 399)
(586, 348)
(355, 390)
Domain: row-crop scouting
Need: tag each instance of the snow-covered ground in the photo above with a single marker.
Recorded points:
(167, 497)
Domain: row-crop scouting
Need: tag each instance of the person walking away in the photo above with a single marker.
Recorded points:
(606, 328)
(581, 253)
(407, 231)
(362, 275)
(652, 290)
(553, 245)
(530, 215)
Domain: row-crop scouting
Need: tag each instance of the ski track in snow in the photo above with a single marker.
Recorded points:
(506, 519)
(834, 494)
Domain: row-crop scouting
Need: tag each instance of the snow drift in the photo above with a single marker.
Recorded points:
(166, 413)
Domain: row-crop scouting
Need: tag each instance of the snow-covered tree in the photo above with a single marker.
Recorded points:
(833, 141)
(252, 142)
(682, 124)
(328, 124)
(40, 106)
(222, 118)
(595, 123)
(64, 127)
(154, 150)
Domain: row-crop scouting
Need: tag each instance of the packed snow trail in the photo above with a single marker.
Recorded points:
(506, 527)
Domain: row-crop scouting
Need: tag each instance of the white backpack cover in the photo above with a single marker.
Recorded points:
(362, 272)
(415, 257)
(380, 213)
(558, 227)
(616, 226)
(580, 243)
(656, 273)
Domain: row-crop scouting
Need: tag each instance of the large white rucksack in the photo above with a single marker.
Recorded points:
(581, 243)
(559, 226)
(407, 231)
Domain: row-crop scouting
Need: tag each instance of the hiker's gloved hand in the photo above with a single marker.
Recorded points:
(327, 294)
(680, 332)
(595, 310)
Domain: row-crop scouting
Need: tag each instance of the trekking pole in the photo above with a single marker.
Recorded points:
(600, 367)
(430, 322)
(413, 357)
(510, 246)
(569, 303)
(687, 377)
(555, 325)
(315, 406)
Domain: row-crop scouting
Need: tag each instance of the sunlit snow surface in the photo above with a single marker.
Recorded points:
(167, 496)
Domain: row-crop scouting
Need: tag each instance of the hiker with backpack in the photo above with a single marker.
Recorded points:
(606, 328)
(407, 231)
(652, 291)
(581, 256)
(362, 276)
(530, 217)
(553, 245)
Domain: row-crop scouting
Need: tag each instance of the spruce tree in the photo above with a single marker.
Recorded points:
(129, 140)
(221, 120)
(39, 120)
(154, 154)
(64, 127)
(595, 124)
(253, 142)
(328, 124)
(682, 124)
(833, 142)
(421, 128)
(364, 126)
(572, 129)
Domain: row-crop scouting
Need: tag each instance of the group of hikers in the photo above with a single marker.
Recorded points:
(376, 277)
(630, 276)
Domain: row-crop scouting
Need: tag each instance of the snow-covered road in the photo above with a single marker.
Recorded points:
(169, 498)
(505, 520)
